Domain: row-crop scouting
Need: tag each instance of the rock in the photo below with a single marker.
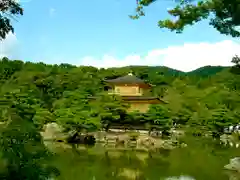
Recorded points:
(120, 141)
(111, 139)
(52, 131)
(234, 164)
(176, 133)
(122, 138)
(76, 138)
(230, 140)
(100, 136)
(183, 145)
(132, 144)
(89, 139)
(225, 139)
(169, 144)
(148, 142)
(156, 133)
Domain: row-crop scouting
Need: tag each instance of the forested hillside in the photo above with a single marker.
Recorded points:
(207, 71)
(59, 92)
(33, 94)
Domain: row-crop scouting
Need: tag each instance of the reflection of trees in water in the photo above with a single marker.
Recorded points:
(129, 166)
(157, 166)
(201, 160)
(125, 166)
(165, 152)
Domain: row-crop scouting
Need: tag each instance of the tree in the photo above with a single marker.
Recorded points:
(182, 117)
(197, 123)
(42, 116)
(224, 15)
(159, 117)
(8, 68)
(73, 112)
(110, 109)
(236, 68)
(9, 9)
(221, 118)
(21, 144)
(137, 119)
(236, 61)
(70, 95)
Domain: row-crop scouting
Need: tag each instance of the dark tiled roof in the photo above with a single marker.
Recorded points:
(128, 79)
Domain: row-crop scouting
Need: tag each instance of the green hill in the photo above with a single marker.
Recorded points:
(58, 92)
(207, 71)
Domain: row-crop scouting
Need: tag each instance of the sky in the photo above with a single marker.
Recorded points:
(101, 34)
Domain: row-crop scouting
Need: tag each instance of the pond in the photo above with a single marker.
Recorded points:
(202, 159)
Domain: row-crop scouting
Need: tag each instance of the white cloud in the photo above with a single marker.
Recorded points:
(186, 57)
(9, 46)
(52, 12)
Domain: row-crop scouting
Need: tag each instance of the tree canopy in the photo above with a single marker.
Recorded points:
(76, 98)
(224, 15)
(9, 10)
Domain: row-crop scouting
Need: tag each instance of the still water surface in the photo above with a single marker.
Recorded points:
(202, 160)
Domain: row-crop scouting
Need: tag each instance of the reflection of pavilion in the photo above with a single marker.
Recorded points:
(132, 90)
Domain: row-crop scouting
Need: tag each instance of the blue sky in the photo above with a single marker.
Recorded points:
(69, 31)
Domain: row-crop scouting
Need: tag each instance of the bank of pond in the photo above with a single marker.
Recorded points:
(128, 155)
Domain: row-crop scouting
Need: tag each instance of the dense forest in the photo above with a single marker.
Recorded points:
(33, 94)
(204, 101)
(60, 93)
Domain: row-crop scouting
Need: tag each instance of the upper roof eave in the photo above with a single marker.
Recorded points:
(127, 80)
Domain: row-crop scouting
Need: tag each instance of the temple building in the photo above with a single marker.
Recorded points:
(133, 91)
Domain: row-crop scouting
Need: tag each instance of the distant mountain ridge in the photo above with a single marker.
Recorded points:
(207, 70)
(202, 71)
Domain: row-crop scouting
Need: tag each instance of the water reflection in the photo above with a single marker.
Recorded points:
(180, 178)
(203, 159)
